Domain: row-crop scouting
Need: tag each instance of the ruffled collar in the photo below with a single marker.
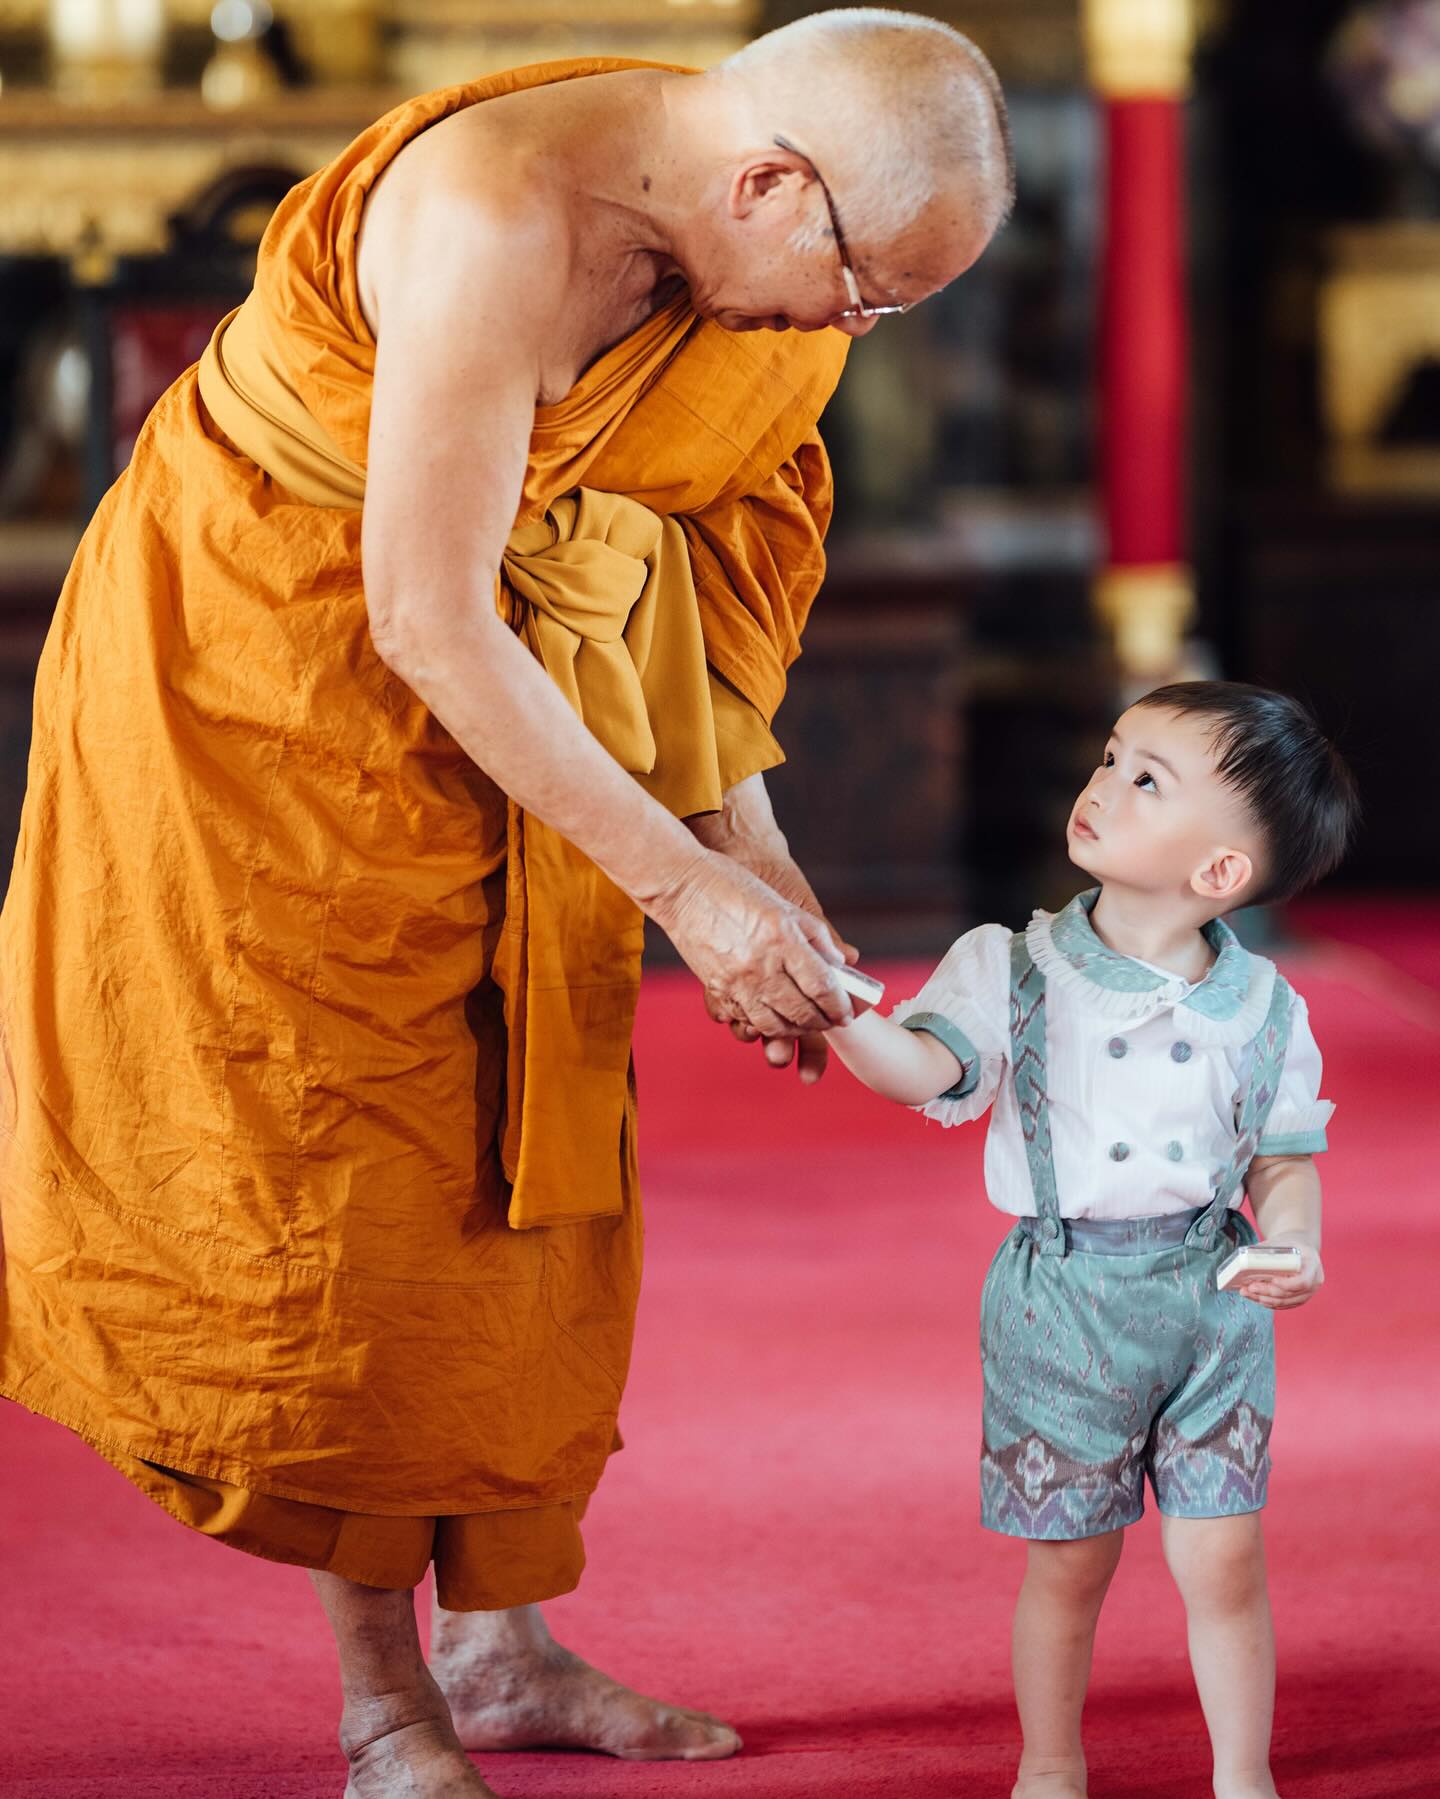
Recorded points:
(1228, 1006)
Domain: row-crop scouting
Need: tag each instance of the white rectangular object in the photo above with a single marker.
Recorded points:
(1258, 1258)
(860, 986)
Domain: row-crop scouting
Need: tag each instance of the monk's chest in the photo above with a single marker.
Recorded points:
(593, 326)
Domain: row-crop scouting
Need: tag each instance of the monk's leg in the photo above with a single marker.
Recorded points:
(512, 1686)
(395, 1729)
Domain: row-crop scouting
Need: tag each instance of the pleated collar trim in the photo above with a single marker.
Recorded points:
(1228, 1006)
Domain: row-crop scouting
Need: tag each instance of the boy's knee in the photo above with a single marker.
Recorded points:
(1217, 1562)
(1076, 1571)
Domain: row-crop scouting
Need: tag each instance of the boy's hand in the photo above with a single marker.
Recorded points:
(1281, 1291)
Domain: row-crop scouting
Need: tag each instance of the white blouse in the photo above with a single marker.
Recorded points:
(1143, 1081)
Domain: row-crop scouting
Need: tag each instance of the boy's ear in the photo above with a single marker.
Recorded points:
(1222, 879)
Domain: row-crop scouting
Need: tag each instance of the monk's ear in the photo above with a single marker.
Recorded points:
(1224, 876)
(760, 175)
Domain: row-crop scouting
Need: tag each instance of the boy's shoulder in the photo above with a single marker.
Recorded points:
(982, 951)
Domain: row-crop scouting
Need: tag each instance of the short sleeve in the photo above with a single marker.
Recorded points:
(1297, 1121)
(966, 1004)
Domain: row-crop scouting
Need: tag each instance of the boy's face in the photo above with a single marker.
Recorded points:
(1156, 816)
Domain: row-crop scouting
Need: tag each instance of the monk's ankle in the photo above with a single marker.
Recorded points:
(499, 1668)
(371, 1718)
(476, 1641)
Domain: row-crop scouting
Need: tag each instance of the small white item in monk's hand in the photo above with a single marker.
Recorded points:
(1258, 1258)
(860, 986)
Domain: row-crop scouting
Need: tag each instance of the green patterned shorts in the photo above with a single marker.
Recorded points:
(1103, 1368)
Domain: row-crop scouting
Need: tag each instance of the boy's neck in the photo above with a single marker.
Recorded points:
(1151, 928)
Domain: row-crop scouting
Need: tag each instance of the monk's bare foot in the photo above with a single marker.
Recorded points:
(394, 1729)
(510, 1685)
(395, 1754)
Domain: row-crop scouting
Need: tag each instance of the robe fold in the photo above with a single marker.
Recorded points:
(290, 1043)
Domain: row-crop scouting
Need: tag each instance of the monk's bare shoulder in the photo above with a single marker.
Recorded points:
(460, 270)
(466, 221)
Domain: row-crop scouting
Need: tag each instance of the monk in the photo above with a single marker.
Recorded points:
(430, 643)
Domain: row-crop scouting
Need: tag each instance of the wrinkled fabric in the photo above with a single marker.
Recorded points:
(254, 1087)
(601, 592)
(601, 589)
(483, 1561)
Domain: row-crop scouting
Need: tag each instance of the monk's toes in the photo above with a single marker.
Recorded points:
(716, 1743)
(676, 1735)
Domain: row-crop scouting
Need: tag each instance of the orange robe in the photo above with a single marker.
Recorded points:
(269, 1117)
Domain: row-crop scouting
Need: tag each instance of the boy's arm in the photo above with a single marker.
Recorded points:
(909, 1066)
(1285, 1198)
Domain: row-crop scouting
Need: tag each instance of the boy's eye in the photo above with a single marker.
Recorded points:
(1109, 759)
(1146, 781)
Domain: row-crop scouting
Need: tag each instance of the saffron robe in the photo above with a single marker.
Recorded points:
(256, 1187)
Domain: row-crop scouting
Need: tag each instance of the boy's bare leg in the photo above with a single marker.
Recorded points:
(395, 1728)
(1051, 1646)
(511, 1686)
(1219, 1567)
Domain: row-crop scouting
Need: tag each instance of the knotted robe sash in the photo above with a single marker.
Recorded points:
(601, 591)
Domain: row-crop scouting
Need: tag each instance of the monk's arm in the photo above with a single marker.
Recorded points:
(747, 830)
(457, 371)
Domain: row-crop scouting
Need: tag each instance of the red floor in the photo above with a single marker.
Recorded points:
(791, 1537)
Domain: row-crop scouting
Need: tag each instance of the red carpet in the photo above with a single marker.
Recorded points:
(791, 1537)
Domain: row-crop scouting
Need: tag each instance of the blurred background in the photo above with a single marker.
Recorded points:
(1183, 418)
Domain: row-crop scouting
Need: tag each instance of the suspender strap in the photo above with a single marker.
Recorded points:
(1260, 1084)
(1263, 1064)
(1028, 1071)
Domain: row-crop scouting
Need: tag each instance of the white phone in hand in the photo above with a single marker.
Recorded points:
(1258, 1258)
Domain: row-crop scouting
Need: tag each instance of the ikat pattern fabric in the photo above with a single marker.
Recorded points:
(1101, 1372)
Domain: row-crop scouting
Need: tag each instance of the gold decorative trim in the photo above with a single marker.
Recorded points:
(94, 185)
(1139, 49)
(1148, 610)
(420, 63)
(598, 15)
(31, 15)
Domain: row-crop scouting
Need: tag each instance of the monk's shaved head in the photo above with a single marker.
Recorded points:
(900, 113)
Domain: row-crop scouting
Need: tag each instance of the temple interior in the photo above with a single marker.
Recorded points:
(1184, 417)
(1181, 420)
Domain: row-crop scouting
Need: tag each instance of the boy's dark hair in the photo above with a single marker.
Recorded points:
(1272, 753)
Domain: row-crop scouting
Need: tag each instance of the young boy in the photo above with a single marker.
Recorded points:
(1146, 1072)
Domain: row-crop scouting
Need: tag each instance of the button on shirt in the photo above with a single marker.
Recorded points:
(1143, 1069)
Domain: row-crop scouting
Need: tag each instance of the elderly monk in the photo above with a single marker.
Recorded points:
(430, 643)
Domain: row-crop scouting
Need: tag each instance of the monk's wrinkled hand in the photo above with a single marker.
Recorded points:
(778, 869)
(772, 863)
(810, 1053)
(810, 1056)
(763, 961)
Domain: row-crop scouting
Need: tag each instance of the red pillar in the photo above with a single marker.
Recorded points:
(1144, 590)
(1143, 337)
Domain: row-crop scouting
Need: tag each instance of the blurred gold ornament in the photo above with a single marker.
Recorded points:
(439, 41)
(1139, 49)
(239, 73)
(1148, 610)
(106, 50)
(1379, 329)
